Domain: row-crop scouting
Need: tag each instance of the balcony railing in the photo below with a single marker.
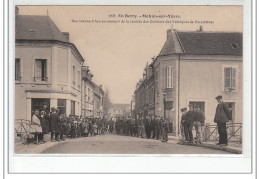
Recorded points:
(37, 79)
(18, 78)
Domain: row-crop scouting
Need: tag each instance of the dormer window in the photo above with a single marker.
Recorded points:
(234, 45)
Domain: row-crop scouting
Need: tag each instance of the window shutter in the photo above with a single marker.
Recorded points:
(234, 77)
(171, 77)
(17, 69)
(227, 77)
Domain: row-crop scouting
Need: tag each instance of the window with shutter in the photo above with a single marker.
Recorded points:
(169, 76)
(230, 78)
(234, 76)
(18, 69)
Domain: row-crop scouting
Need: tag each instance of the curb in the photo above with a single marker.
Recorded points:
(235, 150)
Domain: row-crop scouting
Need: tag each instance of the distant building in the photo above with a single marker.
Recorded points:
(119, 110)
(87, 93)
(193, 68)
(47, 67)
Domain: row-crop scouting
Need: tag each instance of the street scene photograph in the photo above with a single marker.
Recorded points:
(128, 80)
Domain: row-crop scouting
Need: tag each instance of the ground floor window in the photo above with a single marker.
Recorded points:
(72, 111)
(38, 102)
(201, 104)
(62, 106)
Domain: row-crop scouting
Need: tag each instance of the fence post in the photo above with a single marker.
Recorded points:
(206, 132)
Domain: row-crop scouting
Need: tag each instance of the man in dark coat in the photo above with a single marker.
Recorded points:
(190, 115)
(222, 116)
(54, 118)
(184, 133)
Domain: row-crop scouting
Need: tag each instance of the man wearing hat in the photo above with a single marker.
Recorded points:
(222, 116)
(199, 121)
(54, 118)
(184, 133)
(190, 115)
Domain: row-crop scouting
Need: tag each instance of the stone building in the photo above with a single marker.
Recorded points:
(47, 67)
(193, 68)
(87, 93)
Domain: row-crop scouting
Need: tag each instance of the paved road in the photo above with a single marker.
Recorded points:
(116, 144)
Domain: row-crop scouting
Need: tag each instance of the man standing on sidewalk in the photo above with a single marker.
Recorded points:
(190, 115)
(54, 117)
(184, 133)
(198, 123)
(222, 116)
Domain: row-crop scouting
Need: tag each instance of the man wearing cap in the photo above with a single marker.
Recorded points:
(184, 133)
(190, 115)
(199, 121)
(54, 118)
(222, 116)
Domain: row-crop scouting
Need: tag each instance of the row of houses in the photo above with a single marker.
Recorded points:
(50, 69)
(193, 67)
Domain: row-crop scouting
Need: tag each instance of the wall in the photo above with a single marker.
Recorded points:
(27, 54)
(201, 79)
(161, 63)
(59, 68)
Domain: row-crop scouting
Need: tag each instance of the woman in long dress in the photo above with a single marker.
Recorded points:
(36, 128)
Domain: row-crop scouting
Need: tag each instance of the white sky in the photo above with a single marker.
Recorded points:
(118, 53)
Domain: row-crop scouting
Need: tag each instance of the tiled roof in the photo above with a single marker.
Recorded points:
(211, 43)
(168, 47)
(30, 27)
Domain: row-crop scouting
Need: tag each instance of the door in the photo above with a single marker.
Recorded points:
(201, 104)
(37, 104)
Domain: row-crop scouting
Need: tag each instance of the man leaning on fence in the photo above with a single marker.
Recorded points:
(222, 116)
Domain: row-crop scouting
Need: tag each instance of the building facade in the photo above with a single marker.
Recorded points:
(87, 107)
(193, 68)
(47, 68)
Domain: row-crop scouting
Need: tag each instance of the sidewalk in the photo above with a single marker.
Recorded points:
(232, 147)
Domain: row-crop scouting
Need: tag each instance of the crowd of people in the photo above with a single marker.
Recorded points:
(192, 118)
(60, 126)
(195, 117)
(148, 127)
(54, 122)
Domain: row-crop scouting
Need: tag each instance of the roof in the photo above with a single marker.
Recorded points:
(169, 46)
(211, 43)
(31, 27)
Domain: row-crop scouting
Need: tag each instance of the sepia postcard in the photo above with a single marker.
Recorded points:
(123, 80)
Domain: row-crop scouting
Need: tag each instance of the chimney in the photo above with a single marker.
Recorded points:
(149, 72)
(16, 10)
(67, 35)
(169, 33)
